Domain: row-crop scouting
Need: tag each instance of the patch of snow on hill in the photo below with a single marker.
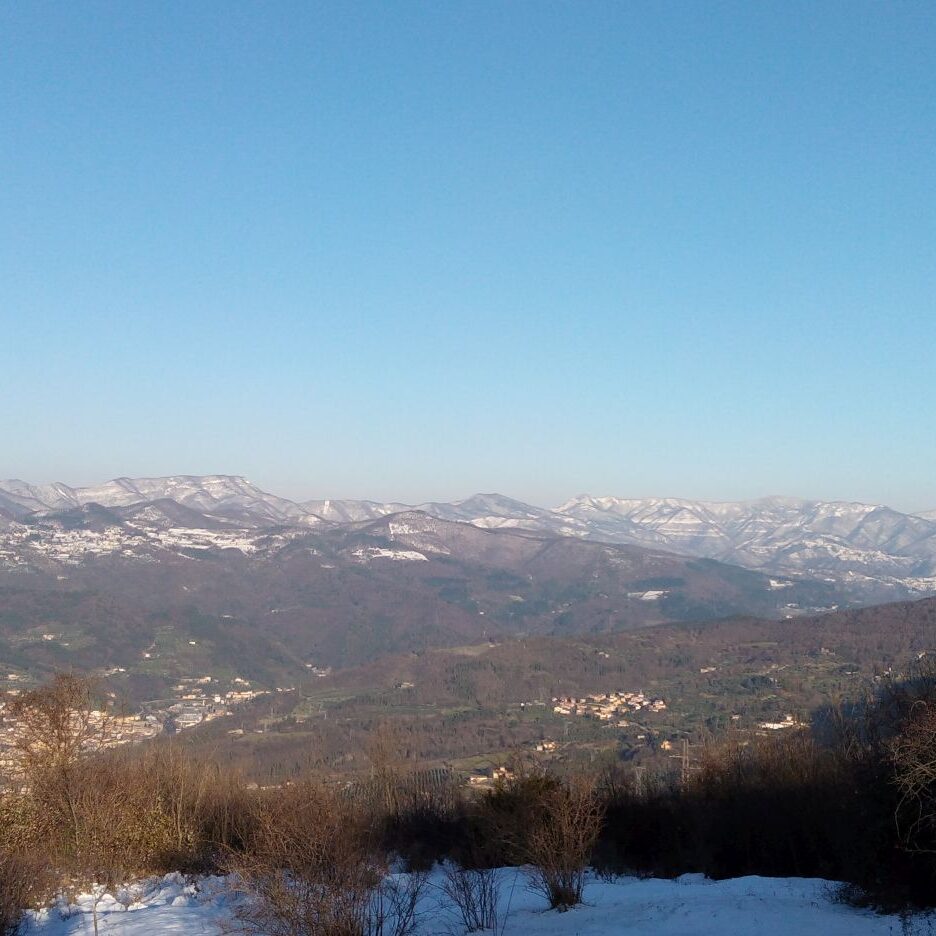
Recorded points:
(653, 595)
(378, 552)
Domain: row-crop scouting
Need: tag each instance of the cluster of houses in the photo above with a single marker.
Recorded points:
(98, 730)
(607, 706)
(489, 777)
(197, 701)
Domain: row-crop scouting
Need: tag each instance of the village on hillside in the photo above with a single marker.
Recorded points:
(607, 706)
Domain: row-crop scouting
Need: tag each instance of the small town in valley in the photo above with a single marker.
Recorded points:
(607, 706)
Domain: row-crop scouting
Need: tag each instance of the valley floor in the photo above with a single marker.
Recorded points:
(689, 906)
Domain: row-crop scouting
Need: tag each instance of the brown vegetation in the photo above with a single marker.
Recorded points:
(855, 802)
(553, 828)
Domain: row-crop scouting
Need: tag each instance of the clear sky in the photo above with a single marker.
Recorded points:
(415, 250)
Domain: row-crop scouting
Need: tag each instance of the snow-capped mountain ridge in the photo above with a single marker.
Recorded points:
(226, 496)
(786, 534)
(869, 547)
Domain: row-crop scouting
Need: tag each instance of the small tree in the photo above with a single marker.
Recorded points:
(53, 728)
(57, 723)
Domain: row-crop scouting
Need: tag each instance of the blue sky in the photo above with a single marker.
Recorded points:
(416, 250)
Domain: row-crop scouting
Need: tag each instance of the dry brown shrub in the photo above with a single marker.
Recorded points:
(914, 756)
(551, 825)
(21, 881)
(202, 809)
(787, 760)
(308, 870)
(119, 813)
(54, 728)
(561, 841)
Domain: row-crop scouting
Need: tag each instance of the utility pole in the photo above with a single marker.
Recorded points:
(685, 762)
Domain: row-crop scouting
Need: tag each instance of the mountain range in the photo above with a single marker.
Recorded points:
(159, 579)
(869, 552)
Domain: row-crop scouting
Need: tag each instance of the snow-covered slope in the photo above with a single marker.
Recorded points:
(25, 497)
(870, 549)
(814, 537)
(351, 511)
(873, 551)
(688, 906)
(491, 511)
(227, 496)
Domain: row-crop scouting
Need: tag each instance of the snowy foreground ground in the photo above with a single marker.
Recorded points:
(688, 906)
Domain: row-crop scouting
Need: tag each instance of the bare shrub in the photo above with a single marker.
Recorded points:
(394, 907)
(385, 749)
(914, 756)
(100, 817)
(57, 723)
(68, 801)
(308, 870)
(552, 826)
(19, 880)
(429, 822)
(53, 728)
(561, 840)
(201, 809)
(511, 810)
(475, 893)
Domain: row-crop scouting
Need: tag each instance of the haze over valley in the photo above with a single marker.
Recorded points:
(156, 580)
(201, 598)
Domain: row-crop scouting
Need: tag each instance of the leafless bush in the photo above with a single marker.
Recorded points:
(53, 728)
(551, 825)
(394, 907)
(310, 870)
(202, 808)
(511, 811)
(112, 814)
(475, 893)
(19, 880)
(56, 723)
(560, 842)
(914, 756)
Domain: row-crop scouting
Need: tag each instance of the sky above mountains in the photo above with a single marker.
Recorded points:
(411, 251)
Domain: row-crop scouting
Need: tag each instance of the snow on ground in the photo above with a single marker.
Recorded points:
(160, 905)
(689, 906)
(377, 552)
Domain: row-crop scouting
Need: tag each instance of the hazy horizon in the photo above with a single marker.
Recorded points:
(461, 496)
